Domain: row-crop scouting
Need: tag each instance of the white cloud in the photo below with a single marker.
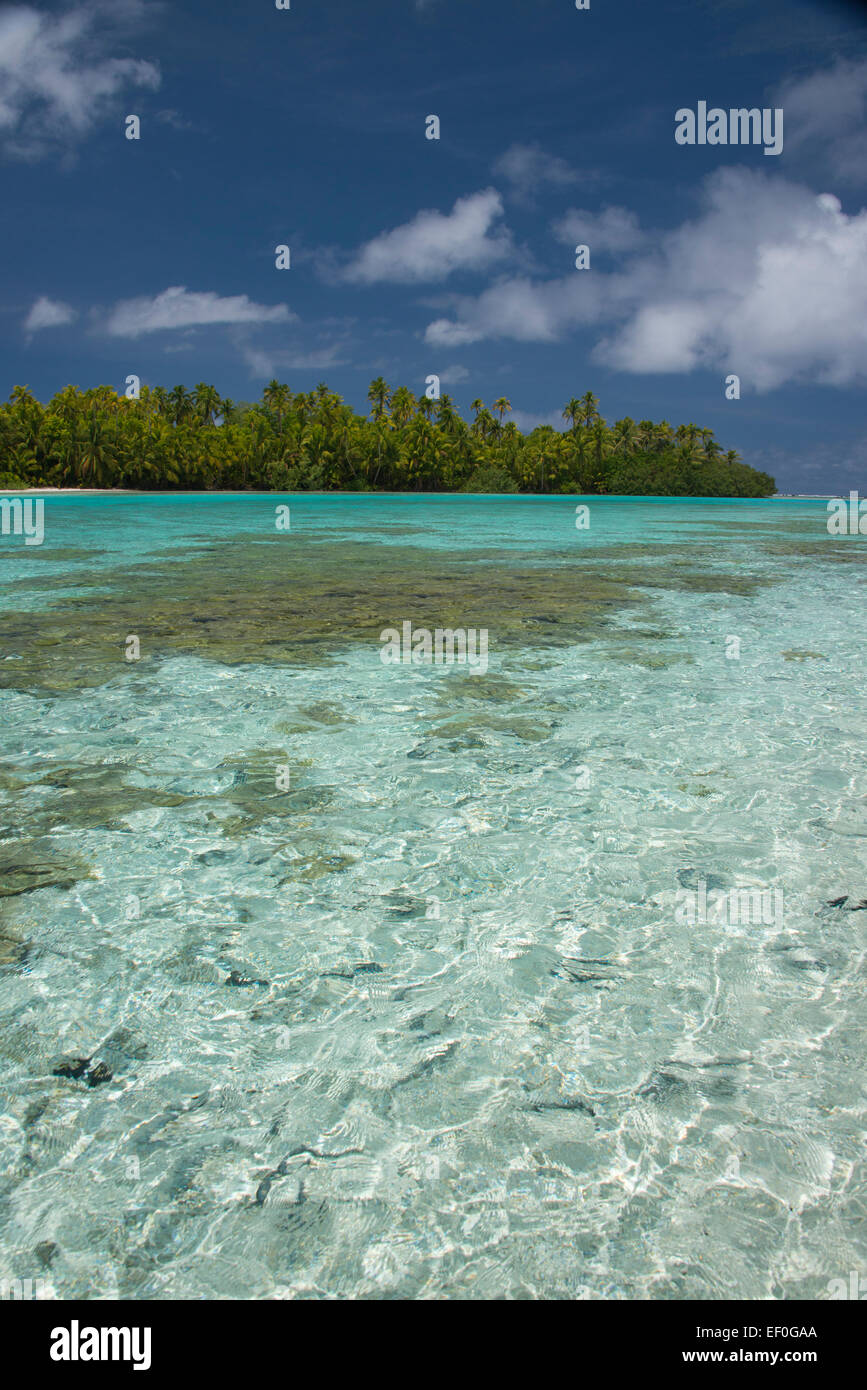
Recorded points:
(526, 168)
(446, 333)
(434, 245)
(178, 307)
(48, 313)
(530, 311)
(659, 338)
(454, 375)
(613, 229)
(826, 116)
(265, 364)
(769, 282)
(56, 77)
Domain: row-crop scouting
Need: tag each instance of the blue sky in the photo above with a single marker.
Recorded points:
(456, 256)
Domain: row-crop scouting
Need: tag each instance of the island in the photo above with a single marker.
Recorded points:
(153, 439)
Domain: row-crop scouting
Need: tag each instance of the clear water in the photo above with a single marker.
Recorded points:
(430, 1023)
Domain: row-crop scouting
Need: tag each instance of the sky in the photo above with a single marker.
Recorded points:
(308, 127)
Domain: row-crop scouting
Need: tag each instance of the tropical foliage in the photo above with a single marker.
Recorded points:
(197, 440)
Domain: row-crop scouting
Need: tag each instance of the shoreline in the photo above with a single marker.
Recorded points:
(383, 492)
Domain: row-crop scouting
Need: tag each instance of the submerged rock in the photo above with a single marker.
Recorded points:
(327, 714)
(318, 865)
(32, 864)
(693, 878)
(243, 981)
(80, 1069)
(71, 1067)
(98, 1075)
(527, 730)
(490, 689)
(662, 1086)
(349, 972)
(13, 951)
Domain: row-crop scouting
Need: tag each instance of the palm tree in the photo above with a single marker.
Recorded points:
(277, 398)
(662, 436)
(318, 455)
(403, 404)
(160, 399)
(181, 403)
(572, 412)
(646, 435)
(599, 436)
(349, 446)
(22, 396)
(589, 409)
(625, 435)
(162, 439)
(447, 419)
(378, 394)
(94, 451)
(712, 447)
(206, 402)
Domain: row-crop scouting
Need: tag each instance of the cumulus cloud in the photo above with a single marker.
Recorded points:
(529, 311)
(48, 313)
(179, 307)
(527, 168)
(826, 117)
(57, 78)
(434, 245)
(769, 281)
(613, 229)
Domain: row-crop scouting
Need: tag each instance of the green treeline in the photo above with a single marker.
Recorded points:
(196, 440)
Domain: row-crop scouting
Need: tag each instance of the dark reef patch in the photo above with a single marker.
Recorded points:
(27, 865)
(301, 602)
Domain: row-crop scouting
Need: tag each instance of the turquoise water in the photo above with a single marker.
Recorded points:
(426, 1019)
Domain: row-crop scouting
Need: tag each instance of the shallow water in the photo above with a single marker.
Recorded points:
(426, 1019)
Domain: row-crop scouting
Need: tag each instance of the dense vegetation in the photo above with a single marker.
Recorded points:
(191, 440)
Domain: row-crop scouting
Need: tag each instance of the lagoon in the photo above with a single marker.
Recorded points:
(324, 977)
